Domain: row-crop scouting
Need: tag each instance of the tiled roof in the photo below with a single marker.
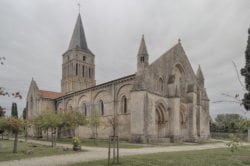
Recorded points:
(50, 94)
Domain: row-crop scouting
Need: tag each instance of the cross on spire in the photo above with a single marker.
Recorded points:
(79, 6)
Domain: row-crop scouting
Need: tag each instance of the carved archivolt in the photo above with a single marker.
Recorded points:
(162, 115)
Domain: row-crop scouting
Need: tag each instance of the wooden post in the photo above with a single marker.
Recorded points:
(109, 152)
(113, 141)
(117, 150)
(248, 133)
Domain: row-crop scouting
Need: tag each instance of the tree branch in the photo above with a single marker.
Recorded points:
(238, 76)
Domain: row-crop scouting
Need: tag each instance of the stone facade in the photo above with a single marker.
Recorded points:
(162, 101)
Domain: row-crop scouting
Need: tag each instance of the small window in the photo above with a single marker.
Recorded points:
(83, 58)
(161, 84)
(101, 107)
(89, 72)
(31, 102)
(68, 58)
(84, 109)
(124, 104)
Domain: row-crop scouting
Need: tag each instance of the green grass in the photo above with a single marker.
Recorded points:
(38, 151)
(123, 144)
(102, 143)
(213, 157)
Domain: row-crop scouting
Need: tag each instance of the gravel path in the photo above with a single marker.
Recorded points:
(95, 153)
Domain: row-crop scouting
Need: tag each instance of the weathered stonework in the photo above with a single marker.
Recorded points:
(162, 101)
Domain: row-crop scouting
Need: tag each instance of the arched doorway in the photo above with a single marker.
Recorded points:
(161, 120)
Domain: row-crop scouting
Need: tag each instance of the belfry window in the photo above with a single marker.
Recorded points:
(142, 59)
(83, 71)
(83, 58)
(76, 69)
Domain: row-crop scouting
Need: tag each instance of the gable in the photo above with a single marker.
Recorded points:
(174, 57)
(163, 68)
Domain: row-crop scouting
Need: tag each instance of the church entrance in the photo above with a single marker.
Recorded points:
(161, 121)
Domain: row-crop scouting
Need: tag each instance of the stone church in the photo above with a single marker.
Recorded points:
(162, 101)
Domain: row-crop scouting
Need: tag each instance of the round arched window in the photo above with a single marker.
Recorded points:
(124, 105)
(101, 107)
(84, 109)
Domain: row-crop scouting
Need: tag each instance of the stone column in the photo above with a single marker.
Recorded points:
(192, 102)
(137, 116)
(174, 107)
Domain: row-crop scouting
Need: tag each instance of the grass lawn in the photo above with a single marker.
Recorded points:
(37, 150)
(102, 143)
(213, 157)
(124, 144)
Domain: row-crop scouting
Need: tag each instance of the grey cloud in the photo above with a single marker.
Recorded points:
(34, 35)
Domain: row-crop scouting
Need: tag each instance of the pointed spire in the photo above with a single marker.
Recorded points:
(78, 39)
(199, 73)
(179, 40)
(143, 48)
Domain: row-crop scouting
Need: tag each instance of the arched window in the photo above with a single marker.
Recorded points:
(124, 105)
(101, 107)
(83, 58)
(84, 109)
(161, 84)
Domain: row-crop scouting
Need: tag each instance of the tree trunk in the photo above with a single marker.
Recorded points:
(55, 136)
(74, 132)
(26, 133)
(96, 134)
(15, 142)
(47, 130)
(52, 138)
(59, 133)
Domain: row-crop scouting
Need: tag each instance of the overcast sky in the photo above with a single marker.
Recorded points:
(35, 34)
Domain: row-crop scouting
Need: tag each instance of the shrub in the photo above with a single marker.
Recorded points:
(76, 144)
(234, 143)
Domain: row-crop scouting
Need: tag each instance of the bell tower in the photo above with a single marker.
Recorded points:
(78, 68)
(142, 56)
